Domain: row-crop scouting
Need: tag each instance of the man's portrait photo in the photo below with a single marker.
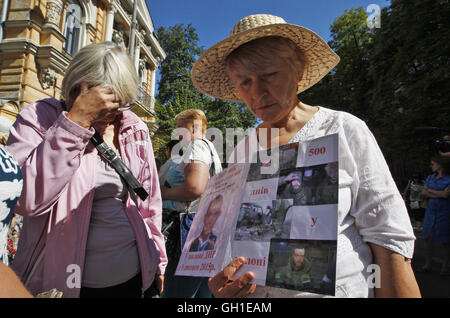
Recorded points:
(207, 239)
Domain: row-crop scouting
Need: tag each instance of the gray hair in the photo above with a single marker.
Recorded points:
(101, 64)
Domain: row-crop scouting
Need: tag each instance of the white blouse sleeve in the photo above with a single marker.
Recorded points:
(379, 211)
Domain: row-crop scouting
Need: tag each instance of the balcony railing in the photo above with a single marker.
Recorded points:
(146, 102)
(145, 109)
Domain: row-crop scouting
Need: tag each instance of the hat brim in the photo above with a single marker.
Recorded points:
(209, 72)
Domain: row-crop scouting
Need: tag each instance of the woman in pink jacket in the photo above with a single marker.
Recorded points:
(85, 233)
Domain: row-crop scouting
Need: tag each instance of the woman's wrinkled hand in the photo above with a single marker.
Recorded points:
(221, 286)
(94, 105)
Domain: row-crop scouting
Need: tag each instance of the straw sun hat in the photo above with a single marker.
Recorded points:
(209, 74)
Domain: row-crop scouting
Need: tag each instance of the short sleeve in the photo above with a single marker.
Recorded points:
(197, 150)
(380, 214)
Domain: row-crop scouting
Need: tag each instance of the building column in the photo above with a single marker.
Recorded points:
(137, 55)
(110, 11)
(54, 11)
(153, 82)
(52, 41)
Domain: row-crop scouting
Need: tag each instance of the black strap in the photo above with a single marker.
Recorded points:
(114, 161)
(213, 165)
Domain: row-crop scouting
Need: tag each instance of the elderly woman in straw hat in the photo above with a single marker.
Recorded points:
(84, 232)
(266, 63)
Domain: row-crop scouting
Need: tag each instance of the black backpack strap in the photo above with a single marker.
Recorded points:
(213, 165)
(114, 161)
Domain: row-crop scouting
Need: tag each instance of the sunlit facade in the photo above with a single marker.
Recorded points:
(39, 37)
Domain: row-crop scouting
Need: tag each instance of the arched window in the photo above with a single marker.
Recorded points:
(72, 27)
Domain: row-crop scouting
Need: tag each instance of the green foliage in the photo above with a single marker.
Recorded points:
(395, 78)
(177, 93)
(347, 86)
(180, 43)
(409, 67)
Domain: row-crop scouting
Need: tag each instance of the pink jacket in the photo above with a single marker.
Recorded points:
(58, 165)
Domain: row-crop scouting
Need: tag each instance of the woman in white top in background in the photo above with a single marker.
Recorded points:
(184, 184)
(266, 63)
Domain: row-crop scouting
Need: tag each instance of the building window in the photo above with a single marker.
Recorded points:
(72, 27)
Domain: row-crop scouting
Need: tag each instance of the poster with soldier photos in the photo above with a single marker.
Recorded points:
(282, 217)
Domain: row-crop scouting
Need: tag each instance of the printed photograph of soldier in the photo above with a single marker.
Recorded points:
(254, 173)
(303, 265)
(207, 239)
(310, 185)
(287, 159)
(328, 187)
(288, 156)
(261, 221)
(292, 185)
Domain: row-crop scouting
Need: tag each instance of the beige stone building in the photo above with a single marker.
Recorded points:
(39, 37)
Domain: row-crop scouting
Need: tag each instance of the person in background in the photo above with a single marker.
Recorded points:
(436, 224)
(16, 221)
(81, 222)
(266, 63)
(414, 187)
(10, 189)
(185, 183)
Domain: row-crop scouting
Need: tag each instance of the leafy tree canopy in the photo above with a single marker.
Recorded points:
(395, 78)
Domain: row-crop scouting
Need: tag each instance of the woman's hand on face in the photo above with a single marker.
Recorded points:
(93, 105)
(221, 286)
